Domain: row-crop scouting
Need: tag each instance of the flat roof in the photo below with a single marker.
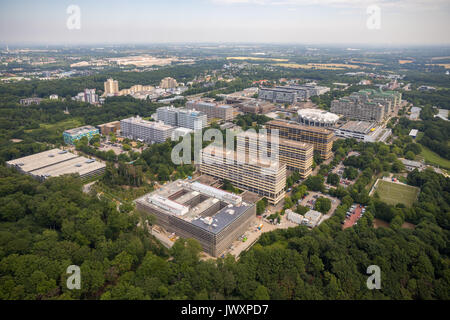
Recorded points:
(413, 132)
(197, 214)
(80, 165)
(79, 130)
(363, 127)
(290, 124)
(291, 143)
(42, 159)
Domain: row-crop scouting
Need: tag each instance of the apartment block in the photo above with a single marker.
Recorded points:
(148, 131)
(264, 177)
(298, 156)
(212, 110)
(320, 138)
(111, 87)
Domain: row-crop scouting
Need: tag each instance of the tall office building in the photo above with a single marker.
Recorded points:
(298, 156)
(264, 177)
(212, 110)
(149, 131)
(320, 138)
(111, 87)
(179, 117)
(168, 83)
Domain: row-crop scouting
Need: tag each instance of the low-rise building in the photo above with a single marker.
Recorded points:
(364, 131)
(57, 162)
(71, 136)
(212, 216)
(30, 101)
(107, 128)
(411, 165)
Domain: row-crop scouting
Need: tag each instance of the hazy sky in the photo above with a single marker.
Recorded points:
(281, 21)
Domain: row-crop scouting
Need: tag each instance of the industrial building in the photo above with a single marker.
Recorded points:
(212, 216)
(137, 128)
(261, 176)
(298, 156)
(71, 136)
(363, 131)
(57, 162)
(179, 117)
(321, 138)
(317, 118)
(107, 128)
(212, 110)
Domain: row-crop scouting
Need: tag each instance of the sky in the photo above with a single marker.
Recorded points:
(412, 22)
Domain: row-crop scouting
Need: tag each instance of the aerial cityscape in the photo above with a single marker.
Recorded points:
(148, 155)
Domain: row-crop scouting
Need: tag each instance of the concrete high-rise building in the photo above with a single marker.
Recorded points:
(179, 117)
(321, 138)
(264, 177)
(212, 110)
(149, 131)
(368, 104)
(291, 93)
(191, 119)
(111, 87)
(298, 156)
(168, 83)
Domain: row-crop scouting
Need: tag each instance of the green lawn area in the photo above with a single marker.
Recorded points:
(434, 159)
(393, 193)
(62, 125)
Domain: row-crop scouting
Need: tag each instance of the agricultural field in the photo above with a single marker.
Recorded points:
(318, 66)
(393, 193)
(257, 59)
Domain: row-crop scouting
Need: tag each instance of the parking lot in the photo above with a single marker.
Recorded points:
(353, 215)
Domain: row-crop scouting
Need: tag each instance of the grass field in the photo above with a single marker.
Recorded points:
(434, 159)
(393, 193)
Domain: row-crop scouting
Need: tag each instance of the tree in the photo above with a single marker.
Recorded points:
(315, 183)
(333, 179)
(261, 293)
(410, 155)
(323, 205)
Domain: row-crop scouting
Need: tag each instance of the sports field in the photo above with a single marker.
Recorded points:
(393, 193)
